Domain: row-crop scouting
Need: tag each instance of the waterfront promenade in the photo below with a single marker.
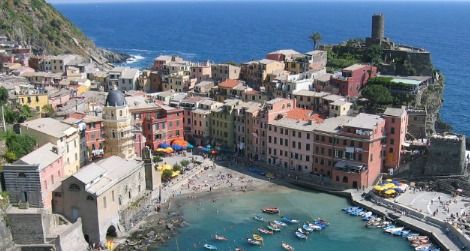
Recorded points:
(438, 231)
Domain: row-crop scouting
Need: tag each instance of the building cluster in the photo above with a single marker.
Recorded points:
(285, 112)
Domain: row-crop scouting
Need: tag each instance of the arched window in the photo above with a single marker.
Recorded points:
(345, 179)
(74, 188)
(120, 113)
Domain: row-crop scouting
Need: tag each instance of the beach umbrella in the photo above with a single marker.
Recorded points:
(388, 180)
(190, 146)
(378, 188)
(390, 192)
(459, 190)
(164, 145)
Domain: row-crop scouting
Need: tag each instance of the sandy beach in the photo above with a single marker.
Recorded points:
(206, 181)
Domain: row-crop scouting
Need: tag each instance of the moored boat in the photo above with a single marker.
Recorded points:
(220, 237)
(300, 235)
(280, 223)
(210, 247)
(258, 237)
(254, 242)
(265, 231)
(288, 220)
(271, 210)
(306, 227)
(287, 247)
(273, 228)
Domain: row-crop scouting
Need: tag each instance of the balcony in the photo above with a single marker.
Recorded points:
(350, 166)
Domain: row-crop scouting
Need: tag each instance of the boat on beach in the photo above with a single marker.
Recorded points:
(210, 247)
(287, 247)
(220, 237)
(271, 210)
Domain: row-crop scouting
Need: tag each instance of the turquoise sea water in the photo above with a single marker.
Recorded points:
(245, 30)
(231, 216)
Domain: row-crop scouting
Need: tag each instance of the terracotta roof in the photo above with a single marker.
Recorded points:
(229, 83)
(304, 115)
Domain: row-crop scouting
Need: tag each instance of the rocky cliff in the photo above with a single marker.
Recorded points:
(40, 25)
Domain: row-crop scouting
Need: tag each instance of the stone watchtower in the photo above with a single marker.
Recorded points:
(117, 126)
(378, 27)
(378, 30)
(153, 178)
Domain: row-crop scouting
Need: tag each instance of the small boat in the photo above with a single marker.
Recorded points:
(405, 233)
(254, 242)
(280, 223)
(271, 210)
(273, 228)
(288, 220)
(306, 227)
(238, 249)
(424, 247)
(210, 247)
(287, 247)
(258, 218)
(220, 238)
(302, 231)
(265, 231)
(393, 229)
(258, 237)
(300, 235)
(315, 227)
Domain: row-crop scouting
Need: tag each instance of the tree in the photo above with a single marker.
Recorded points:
(48, 111)
(177, 168)
(184, 163)
(167, 174)
(157, 158)
(374, 54)
(315, 38)
(377, 95)
(18, 145)
(3, 95)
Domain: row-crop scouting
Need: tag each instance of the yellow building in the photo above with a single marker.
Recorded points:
(34, 101)
(117, 126)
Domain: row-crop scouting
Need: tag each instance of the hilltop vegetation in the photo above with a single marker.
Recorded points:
(39, 24)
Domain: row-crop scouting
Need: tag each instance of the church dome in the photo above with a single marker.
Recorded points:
(115, 98)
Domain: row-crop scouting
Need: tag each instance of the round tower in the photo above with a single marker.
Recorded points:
(378, 27)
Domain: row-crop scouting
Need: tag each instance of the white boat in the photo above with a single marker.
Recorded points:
(394, 229)
(210, 247)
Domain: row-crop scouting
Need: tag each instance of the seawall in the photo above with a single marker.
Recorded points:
(443, 234)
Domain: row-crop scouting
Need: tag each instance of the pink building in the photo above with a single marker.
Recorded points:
(268, 113)
(344, 151)
(348, 150)
(94, 134)
(353, 79)
(396, 124)
(32, 178)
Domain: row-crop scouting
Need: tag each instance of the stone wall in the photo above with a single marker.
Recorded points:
(28, 228)
(6, 242)
(446, 155)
